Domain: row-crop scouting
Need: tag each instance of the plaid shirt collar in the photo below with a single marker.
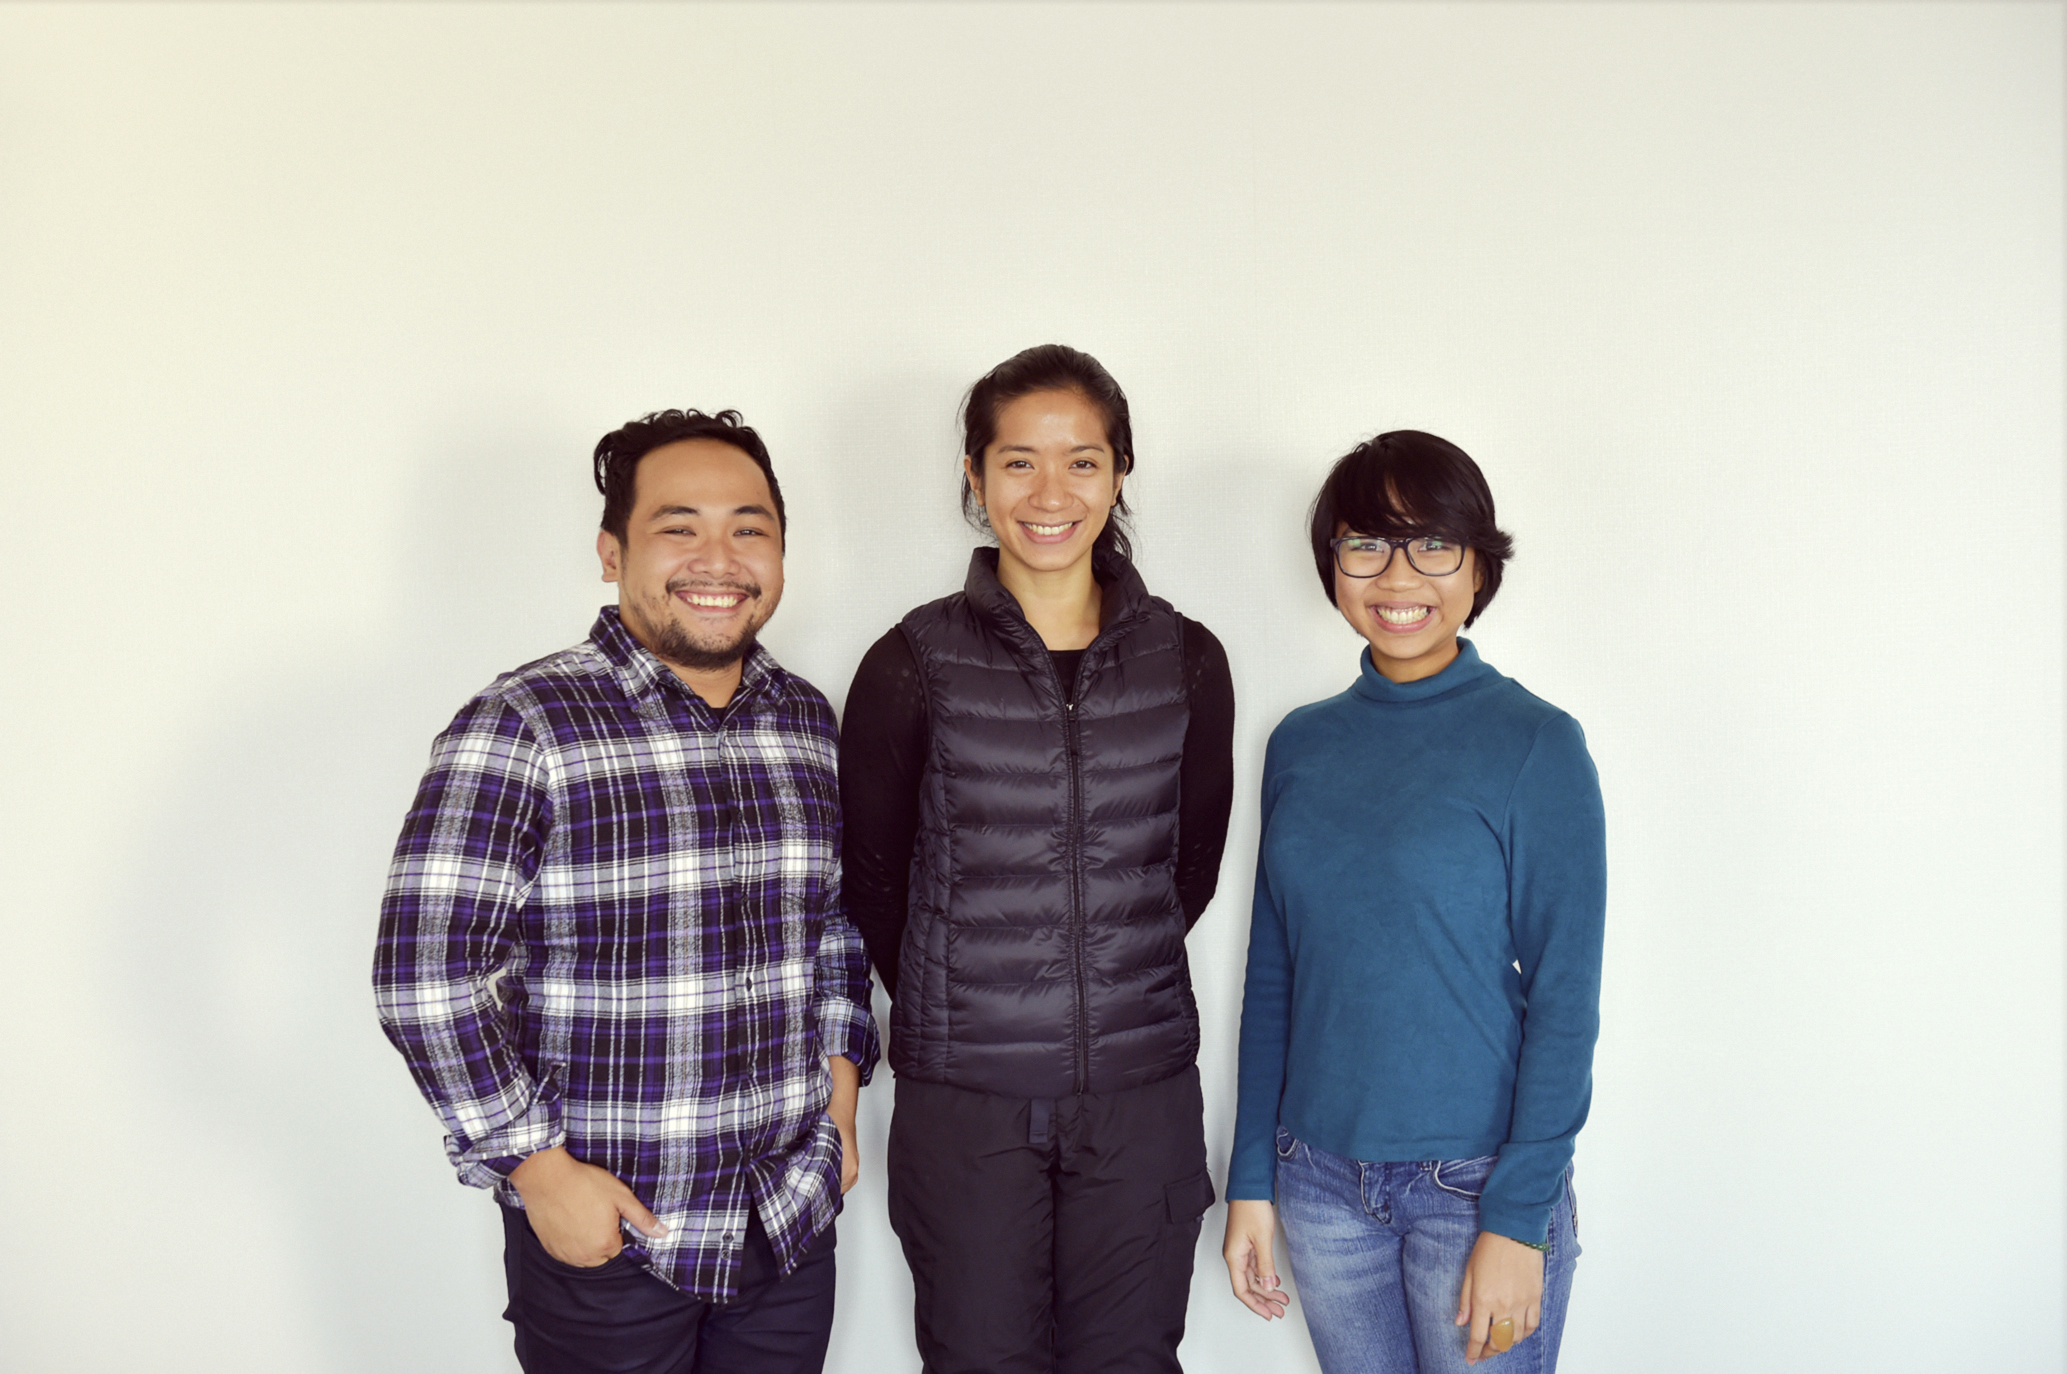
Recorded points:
(643, 677)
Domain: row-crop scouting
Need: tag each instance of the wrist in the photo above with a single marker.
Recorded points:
(1541, 1247)
(539, 1166)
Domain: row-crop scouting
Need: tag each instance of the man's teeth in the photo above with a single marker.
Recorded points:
(719, 601)
(1404, 615)
(1048, 529)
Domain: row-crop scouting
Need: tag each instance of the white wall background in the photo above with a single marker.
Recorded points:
(1752, 313)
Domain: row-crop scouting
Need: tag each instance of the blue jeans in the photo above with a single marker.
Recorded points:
(1378, 1252)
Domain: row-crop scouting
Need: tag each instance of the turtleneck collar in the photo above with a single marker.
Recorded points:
(1465, 670)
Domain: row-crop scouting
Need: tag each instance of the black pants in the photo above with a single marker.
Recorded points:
(1055, 1235)
(618, 1318)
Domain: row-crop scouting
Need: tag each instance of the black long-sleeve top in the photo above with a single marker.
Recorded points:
(883, 746)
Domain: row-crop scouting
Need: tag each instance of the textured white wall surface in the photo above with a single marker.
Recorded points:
(310, 314)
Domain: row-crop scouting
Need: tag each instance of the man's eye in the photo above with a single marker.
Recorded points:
(1365, 545)
(1435, 543)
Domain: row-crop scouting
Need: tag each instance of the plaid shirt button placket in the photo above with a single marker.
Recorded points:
(613, 923)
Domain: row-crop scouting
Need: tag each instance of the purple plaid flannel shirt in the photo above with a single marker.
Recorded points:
(613, 923)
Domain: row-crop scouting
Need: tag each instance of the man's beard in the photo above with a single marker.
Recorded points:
(671, 643)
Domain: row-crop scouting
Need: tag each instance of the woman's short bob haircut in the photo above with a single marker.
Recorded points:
(1405, 483)
(1050, 367)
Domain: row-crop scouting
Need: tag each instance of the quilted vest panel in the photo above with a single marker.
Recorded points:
(1044, 954)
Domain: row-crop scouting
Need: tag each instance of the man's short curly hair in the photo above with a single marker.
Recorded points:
(618, 454)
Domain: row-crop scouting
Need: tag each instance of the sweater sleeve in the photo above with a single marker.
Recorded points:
(1557, 903)
(882, 755)
(1266, 1028)
(1206, 780)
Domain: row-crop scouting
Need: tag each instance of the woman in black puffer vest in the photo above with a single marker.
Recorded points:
(1036, 775)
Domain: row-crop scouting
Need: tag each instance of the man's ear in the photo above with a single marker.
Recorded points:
(611, 553)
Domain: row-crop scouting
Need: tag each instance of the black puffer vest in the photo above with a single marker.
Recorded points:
(1045, 951)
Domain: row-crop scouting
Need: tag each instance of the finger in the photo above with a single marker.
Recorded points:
(1242, 1275)
(1480, 1338)
(1249, 1285)
(1271, 1289)
(1464, 1300)
(1266, 1304)
(1237, 1257)
(634, 1211)
(1533, 1319)
(1266, 1261)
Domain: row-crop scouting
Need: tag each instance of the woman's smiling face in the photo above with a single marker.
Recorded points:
(1409, 618)
(1049, 479)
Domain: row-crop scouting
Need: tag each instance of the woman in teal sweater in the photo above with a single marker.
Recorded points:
(1424, 957)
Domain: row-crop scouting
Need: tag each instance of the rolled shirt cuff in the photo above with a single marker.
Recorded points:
(849, 1031)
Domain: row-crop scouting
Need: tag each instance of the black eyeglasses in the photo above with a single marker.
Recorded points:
(1368, 555)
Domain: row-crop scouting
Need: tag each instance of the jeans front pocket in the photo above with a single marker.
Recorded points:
(1464, 1178)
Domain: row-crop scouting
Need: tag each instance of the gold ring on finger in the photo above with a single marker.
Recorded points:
(1503, 1334)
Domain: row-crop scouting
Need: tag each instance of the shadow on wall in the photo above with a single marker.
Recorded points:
(245, 939)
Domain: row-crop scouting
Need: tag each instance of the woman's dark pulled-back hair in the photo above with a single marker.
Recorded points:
(1050, 367)
(618, 454)
(1406, 483)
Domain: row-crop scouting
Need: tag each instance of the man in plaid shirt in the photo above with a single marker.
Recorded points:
(613, 950)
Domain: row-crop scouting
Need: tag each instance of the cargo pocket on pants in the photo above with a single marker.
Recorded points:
(1188, 1199)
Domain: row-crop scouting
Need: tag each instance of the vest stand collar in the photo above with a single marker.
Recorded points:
(1123, 595)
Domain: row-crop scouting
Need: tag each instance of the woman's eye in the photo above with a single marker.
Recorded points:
(1365, 545)
(1433, 544)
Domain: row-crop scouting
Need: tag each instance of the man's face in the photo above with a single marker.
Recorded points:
(700, 567)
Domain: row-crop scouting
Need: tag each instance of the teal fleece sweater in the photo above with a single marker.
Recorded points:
(1425, 948)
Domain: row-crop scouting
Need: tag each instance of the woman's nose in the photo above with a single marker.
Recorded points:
(1398, 572)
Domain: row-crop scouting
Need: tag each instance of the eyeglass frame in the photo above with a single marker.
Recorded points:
(1398, 546)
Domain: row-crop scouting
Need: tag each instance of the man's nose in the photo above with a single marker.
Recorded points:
(715, 554)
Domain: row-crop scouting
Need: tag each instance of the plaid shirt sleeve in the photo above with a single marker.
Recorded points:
(841, 990)
(463, 867)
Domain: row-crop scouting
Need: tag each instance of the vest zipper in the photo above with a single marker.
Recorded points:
(1076, 892)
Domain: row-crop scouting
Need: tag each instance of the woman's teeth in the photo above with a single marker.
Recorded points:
(1048, 531)
(1402, 615)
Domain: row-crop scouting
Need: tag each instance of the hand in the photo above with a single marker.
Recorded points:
(846, 1093)
(1251, 1266)
(574, 1208)
(1503, 1280)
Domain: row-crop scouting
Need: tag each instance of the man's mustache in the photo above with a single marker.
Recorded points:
(690, 584)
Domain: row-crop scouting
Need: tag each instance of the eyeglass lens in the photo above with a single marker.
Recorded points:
(1430, 555)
